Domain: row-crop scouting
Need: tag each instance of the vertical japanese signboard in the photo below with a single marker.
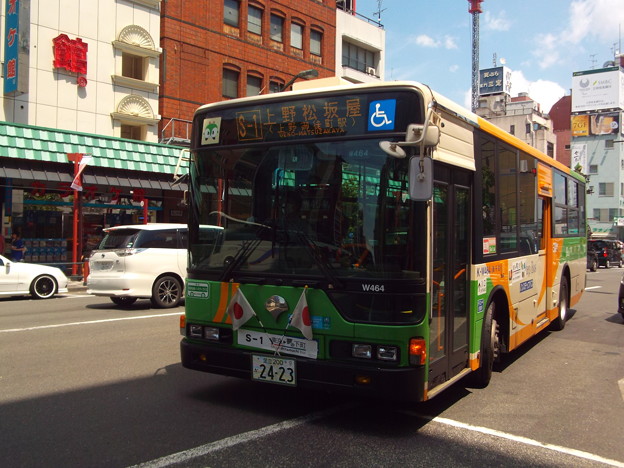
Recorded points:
(16, 46)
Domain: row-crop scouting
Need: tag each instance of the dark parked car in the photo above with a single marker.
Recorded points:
(592, 259)
(608, 252)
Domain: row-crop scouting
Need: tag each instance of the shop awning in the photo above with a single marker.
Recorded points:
(45, 171)
(24, 142)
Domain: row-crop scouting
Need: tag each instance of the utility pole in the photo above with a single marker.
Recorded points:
(474, 10)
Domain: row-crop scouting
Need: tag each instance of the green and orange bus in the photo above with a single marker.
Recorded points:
(375, 238)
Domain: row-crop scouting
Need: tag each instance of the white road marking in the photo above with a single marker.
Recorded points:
(90, 322)
(524, 440)
(202, 450)
(593, 287)
(621, 385)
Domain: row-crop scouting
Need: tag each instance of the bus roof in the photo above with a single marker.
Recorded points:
(336, 85)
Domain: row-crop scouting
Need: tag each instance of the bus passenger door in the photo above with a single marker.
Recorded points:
(448, 332)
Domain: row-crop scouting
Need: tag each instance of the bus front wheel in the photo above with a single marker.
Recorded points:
(490, 348)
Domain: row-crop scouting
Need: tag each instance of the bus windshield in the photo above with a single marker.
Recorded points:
(332, 210)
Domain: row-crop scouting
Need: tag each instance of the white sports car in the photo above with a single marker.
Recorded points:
(21, 279)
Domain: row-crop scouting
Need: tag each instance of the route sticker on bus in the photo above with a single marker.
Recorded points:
(281, 344)
(273, 369)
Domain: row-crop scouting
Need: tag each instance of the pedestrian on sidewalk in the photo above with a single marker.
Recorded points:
(17, 247)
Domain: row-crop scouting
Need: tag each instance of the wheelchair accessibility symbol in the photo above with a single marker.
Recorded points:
(381, 115)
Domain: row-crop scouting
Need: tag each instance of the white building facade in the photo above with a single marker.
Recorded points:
(81, 77)
(117, 42)
(360, 46)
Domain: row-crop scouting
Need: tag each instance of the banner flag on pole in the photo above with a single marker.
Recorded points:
(239, 310)
(84, 162)
(301, 316)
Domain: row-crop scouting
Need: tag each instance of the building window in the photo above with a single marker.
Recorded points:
(254, 85)
(357, 57)
(133, 66)
(275, 87)
(133, 132)
(136, 60)
(230, 12)
(230, 83)
(512, 129)
(296, 36)
(550, 149)
(593, 168)
(316, 39)
(605, 189)
(254, 20)
(596, 214)
(527, 128)
(613, 213)
(277, 27)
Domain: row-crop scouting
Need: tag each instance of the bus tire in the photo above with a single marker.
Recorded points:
(559, 323)
(490, 348)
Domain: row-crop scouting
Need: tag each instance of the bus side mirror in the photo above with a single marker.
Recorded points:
(420, 178)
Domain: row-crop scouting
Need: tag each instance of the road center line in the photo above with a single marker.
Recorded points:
(90, 322)
(202, 450)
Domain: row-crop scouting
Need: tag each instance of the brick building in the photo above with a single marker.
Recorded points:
(222, 49)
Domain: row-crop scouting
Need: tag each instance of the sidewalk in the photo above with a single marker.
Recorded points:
(74, 285)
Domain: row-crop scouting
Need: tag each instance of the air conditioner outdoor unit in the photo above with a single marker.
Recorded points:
(371, 71)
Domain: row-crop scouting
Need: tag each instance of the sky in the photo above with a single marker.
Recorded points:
(541, 41)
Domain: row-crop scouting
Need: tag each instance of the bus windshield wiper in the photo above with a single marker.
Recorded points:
(243, 254)
(322, 263)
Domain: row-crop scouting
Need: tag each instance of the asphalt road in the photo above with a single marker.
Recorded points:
(86, 384)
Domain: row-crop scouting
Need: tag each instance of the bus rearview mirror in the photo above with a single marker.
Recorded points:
(420, 178)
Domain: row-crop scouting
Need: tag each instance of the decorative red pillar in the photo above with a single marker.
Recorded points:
(145, 203)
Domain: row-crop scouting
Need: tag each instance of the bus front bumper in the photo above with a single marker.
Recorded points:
(403, 384)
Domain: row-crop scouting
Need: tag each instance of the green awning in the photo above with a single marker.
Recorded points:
(52, 145)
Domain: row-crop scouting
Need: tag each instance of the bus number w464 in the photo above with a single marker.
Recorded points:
(373, 287)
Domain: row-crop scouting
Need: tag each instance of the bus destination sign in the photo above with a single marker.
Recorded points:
(329, 116)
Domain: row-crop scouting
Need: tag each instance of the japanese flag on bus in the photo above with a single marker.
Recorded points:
(239, 310)
(301, 317)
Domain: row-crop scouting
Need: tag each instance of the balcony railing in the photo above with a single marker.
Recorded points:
(176, 132)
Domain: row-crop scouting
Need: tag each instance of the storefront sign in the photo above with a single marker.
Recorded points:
(579, 157)
(16, 46)
(71, 54)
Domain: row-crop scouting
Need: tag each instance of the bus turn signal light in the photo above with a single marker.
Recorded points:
(417, 351)
(182, 325)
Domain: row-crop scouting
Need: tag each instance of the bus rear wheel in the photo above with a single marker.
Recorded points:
(559, 323)
(490, 348)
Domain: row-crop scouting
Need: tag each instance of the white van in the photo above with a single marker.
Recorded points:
(140, 261)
